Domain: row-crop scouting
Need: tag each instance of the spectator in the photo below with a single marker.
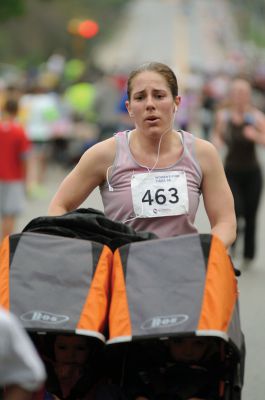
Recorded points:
(21, 370)
(240, 126)
(14, 159)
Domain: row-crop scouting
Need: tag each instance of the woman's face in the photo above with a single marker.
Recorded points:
(151, 102)
(240, 93)
(71, 349)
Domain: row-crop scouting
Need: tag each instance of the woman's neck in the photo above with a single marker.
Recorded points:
(150, 143)
(164, 150)
(241, 109)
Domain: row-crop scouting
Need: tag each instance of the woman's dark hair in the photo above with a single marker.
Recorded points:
(159, 68)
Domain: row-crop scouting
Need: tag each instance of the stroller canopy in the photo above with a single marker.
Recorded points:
(167, 287)
(56, 284)
(55, 275)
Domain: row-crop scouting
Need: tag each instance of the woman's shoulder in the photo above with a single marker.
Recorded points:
(108, 146)
(206, 152)
(204, 146)
(103, 151)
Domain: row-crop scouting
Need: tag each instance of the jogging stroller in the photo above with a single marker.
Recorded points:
(130, 297)
(59, 289)
(171, 289)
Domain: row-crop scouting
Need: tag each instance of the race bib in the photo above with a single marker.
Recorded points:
(160, 194)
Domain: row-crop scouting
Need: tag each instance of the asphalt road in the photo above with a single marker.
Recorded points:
(184, 34)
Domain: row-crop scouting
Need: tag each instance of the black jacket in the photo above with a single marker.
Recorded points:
(88, 224)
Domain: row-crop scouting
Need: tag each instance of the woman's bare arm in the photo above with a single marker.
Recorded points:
(89, 173)
(217, 195)
(218, 131)
(256, 131)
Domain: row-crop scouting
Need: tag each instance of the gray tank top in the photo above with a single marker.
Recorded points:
(117, 195)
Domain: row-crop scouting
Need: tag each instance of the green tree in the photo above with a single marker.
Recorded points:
(31, 30)
(11, 8)
(250, 16)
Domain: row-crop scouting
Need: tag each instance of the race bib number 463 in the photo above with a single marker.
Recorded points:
(160, 194)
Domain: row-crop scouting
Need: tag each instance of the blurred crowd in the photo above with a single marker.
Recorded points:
(64, 109)
(69, 106)
(72, 105)
(66, 106)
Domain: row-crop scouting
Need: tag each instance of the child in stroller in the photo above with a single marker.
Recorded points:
(180, 368)
(71, 363)
(184, 367)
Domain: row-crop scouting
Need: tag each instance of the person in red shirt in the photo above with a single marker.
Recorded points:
(14, 151)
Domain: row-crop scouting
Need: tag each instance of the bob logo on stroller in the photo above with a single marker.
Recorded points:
(164, 321)
(47, 317)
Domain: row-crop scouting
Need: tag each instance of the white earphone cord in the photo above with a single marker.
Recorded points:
(107, 179)
(150, 170)
(158, 149)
